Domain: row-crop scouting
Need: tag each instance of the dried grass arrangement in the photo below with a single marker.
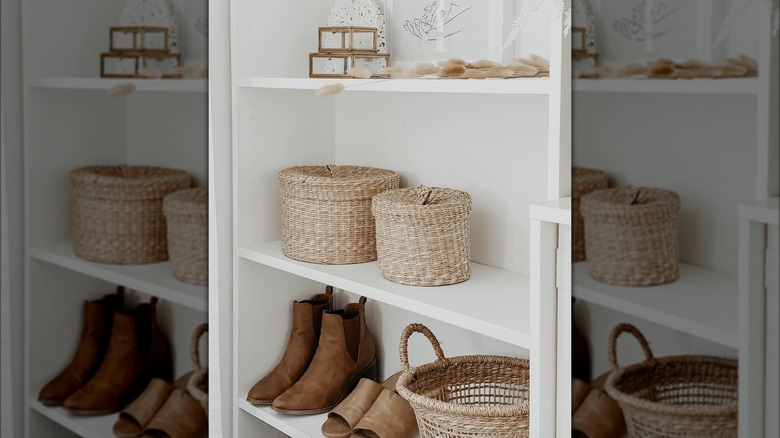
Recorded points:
(743, 66)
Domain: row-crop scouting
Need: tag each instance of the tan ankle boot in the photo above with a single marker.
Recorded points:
(95, 335)
(138, 352)
(346, 353)
(304, 337)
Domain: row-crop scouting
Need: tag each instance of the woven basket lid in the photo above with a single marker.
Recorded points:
(125, 183)
(429, 204)
(643, 203)
(584, 181)
(336, 183)
(188, 202)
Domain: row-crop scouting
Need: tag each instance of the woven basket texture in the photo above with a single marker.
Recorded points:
(326, 212)
(423, 236)
(117, 212)
(198, 384)
(675, 396)
(583, 181)
(187, 215)
(632, 235)
(465, 396)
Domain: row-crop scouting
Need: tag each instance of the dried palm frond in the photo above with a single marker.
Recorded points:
(452, 71)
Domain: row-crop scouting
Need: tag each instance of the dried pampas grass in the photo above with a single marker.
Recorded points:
(182, 71)
(537, 62)
(359, 73)
(482, 64)
(120, 90)
(451, 62)
(523, 70)
(502, 72)
(750, 64)
(150, 72)
(661, 71)
(424, 69)
(732, 70)
(632, 69)
(472, 73)
(452, 71)
(329, 90)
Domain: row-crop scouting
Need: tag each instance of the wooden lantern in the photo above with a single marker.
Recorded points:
(340, 39)
(371, 61)
(128, 39)
(319, 61)
(118, 65)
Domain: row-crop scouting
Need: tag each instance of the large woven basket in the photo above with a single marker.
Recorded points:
(675, 396)
(632, 235)
(583, 181)
(465, 396)
(187, 214)
(117, 212)
(423, 236)
(326, 212)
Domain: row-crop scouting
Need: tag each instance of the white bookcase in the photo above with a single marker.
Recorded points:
(506, 142)
(70, 121)
(716, 143)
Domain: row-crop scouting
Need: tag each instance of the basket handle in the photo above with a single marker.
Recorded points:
(423, 193)
(404, 345)
(627, 328)
(195, 346)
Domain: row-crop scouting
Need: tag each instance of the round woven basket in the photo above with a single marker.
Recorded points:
(583, 181)
(465, 396)
(117, 212)
(631, 235)
(422, 236)
(675, 396)
(326, 212)
(187, 214)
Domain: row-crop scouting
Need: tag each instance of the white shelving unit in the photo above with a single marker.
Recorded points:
(71, 121)
(714, 142)
(506, 142)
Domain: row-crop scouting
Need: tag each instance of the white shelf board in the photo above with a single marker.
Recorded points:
(86, 426)
(294, 426)
(484, 86)
(701, 302)
(152, 278)
(557, 211)
(141, 85)
(493, 302)
(746, 86)
(767, 211)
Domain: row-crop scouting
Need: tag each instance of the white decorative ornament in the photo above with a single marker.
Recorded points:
(357, 13)
(159, 13)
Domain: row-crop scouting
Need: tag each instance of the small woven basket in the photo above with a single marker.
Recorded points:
(198, 384)
(632, 235)
(326, 212)
(187, 214)
(675, 396)
(423, 236)
(583, 181)
(465, 396)
(117, 212)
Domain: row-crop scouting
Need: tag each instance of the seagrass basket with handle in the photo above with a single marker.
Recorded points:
(675, 396)
(117, 212)
(583, 181)
(465, 396)
(632, 235)
(187, 215)
(423, 235)
(326, 212)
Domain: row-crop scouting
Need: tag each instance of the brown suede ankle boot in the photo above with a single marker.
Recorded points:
(305, 334)
(95, 334)
(138, 352)
(346, 353)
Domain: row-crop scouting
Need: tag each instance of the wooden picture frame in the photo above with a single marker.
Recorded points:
(139, 39)
(579, 40)
(348, 38)
(345, 57)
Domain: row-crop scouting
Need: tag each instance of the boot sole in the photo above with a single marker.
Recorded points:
(363, 373)
(89, 412)
(256, 402)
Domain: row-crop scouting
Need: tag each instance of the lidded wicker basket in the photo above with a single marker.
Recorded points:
(117, 212)
(187, 214)
(423, 235)
(465, 396)
(632, 235)
(583, 181)
(675, 396)
(326, 212)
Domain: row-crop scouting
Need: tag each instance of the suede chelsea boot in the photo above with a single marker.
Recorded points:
(138, 352)
(95, 335)
(345, 354)
(305, 334)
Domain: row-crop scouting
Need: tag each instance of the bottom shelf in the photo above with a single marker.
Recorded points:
(295, 426)
(99, 426)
